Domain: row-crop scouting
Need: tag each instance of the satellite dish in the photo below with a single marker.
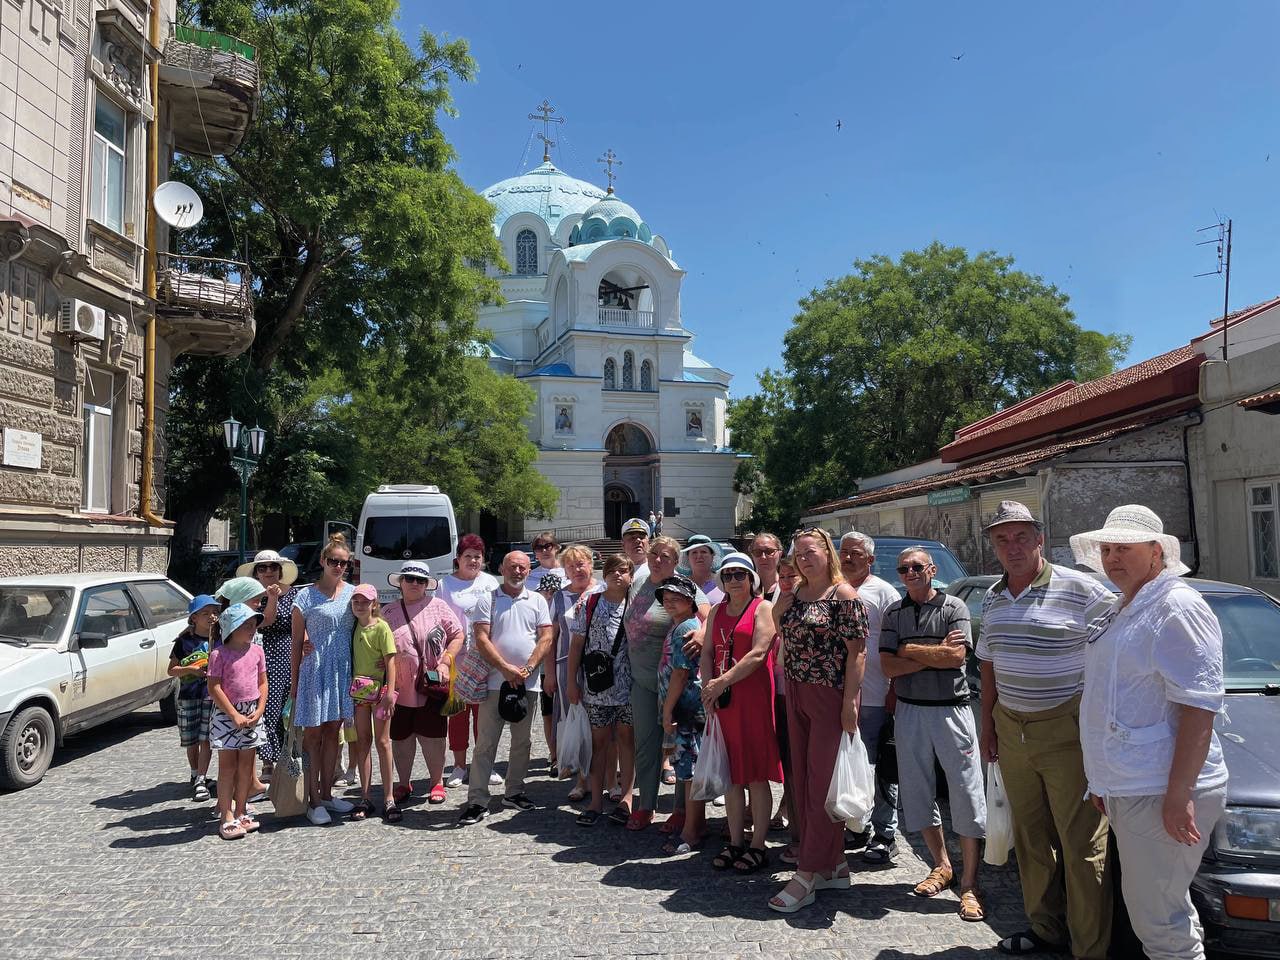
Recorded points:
(178, 205)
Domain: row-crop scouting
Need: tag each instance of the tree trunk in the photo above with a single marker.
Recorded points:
(184, 551)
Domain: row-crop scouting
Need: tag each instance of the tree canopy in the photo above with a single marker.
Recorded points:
(883, 365)
(365, 246)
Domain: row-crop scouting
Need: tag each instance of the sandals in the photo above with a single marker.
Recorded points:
(726, 857)
(248, 824)
(669, 777)
(678, 845)
(789, 855)
(839, 879)
(437, 794)
(588, 818)
(230, 830)
(639, 819)
(939, 879)
(360, 811)
(577, 795)
(401, 794)
(620, 815)
(673, 823)
(778, 824)
(971, 906)
(392, 814)
(751, 860)
(1028, 941)
(784, 902)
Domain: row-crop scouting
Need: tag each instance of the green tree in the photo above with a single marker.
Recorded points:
(361, 239)
(883, 365)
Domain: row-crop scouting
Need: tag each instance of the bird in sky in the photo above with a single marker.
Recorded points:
(961, 57)
(839, 124)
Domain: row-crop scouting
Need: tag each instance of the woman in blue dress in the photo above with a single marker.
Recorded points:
(321, 675)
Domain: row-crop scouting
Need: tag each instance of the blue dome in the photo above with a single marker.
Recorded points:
(544, 191)
(610, 219)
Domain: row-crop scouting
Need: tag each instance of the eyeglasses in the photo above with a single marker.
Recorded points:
(335, 562)
(546, 546)
(913, 567)
(738, 574)
(410, 578)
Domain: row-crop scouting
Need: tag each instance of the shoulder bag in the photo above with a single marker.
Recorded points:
(471, 673)
(597, 666)
(427, 682)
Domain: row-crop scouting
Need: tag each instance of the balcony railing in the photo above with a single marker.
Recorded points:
(210, 286)
(211, 84)
(209, 52)
(622, 317)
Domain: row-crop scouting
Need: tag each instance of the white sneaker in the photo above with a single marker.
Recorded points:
(457, 777)
(338, 805)
(319, 816)
(494, 779)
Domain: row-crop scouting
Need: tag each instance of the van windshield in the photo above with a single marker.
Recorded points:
(406, 538)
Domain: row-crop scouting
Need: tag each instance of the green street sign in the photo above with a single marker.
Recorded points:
(942, 498)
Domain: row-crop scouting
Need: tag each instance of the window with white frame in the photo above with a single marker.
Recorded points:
(1264, 519)
(95, 474)
(526, 253)
(107, 164)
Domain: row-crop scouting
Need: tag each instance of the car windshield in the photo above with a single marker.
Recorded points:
(886, 567)
(33, 614)
(1250, 639)
(404, 538)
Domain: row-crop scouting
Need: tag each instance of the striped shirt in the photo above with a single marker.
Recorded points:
(1035, 641)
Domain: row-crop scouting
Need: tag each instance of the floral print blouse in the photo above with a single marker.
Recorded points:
(815, 634)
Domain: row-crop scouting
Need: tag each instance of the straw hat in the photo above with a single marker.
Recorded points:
(1132, 523)
(288, 569)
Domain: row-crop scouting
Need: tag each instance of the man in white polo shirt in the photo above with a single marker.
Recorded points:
(1031, 648)
(512, 630)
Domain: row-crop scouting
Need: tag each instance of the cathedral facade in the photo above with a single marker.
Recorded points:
(628, 418)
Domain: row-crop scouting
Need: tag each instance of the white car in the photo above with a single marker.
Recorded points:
(77, 650)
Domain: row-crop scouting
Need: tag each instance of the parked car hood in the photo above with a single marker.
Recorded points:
(11, 656)
(1251, 749)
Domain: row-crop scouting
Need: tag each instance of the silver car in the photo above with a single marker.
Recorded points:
(77, 650)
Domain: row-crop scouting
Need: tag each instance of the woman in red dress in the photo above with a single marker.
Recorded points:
(737, 664)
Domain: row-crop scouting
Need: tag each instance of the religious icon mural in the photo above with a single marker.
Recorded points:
(564, 418)
(693, 423)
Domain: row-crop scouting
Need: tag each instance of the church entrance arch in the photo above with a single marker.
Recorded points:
(631, 476)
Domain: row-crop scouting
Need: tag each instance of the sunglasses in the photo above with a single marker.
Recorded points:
(738, 574)
(764, 551)
(268, 566)
(410, 578)
(546, 546)
(913, 567)
(335, 562)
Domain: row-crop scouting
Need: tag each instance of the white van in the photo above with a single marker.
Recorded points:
(404, 521)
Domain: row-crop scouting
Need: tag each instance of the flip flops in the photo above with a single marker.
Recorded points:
(230, 830)
(437, 794)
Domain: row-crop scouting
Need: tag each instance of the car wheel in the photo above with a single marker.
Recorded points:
(26, 748)
(169, 707)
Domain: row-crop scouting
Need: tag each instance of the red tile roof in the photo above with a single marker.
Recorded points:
(1244, 313)
(1168, 377)
(989, 470)
(1262, 401)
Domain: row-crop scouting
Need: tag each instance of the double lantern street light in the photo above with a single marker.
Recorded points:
(245, 447)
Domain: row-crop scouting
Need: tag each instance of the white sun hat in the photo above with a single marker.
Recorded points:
(1132, 523)
(736, 559)
(288, 569)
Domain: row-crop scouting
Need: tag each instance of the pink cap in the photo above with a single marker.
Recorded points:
(367, 590)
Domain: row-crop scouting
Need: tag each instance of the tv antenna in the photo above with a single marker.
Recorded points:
(1222, 238)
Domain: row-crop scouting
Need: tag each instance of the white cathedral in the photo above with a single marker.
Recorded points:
(628, 419)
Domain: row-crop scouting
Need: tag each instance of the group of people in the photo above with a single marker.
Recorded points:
(1098, 708)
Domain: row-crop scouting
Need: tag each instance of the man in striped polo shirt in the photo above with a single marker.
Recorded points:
(1034, 623)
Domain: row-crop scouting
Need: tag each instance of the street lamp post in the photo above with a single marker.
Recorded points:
(245, 447)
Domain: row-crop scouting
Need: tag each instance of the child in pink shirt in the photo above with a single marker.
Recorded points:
(238, 689)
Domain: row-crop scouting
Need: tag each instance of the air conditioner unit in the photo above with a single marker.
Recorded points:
(82, 321)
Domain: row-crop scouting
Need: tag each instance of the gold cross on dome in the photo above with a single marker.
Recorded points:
(610, 160)
(547, 118)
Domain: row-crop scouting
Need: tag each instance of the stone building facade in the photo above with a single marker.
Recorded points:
(76, 147)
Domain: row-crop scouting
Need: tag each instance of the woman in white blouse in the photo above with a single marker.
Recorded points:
(1153, 685)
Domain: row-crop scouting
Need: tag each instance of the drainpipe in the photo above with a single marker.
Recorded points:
(149, 286)
(1191, 495)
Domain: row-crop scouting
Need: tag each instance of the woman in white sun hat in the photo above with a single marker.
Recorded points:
(1152, 687)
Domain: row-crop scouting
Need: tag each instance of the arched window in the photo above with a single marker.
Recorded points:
(610, 375)
(526, 253)
(628, 371)
(646, 376)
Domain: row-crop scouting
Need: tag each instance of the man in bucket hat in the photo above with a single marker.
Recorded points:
(1031, 648)
(512, 630)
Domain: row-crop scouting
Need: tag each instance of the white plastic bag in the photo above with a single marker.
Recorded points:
(711, 776)
(852, 793)
(573, 742)
(999, 819)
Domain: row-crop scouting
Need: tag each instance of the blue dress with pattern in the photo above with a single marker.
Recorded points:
(324, 678)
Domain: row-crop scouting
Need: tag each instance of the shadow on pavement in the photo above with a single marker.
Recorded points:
(110, 734)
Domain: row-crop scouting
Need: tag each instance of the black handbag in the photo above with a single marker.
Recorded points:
(597, 666)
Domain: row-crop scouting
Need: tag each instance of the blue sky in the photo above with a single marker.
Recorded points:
(1087, 140)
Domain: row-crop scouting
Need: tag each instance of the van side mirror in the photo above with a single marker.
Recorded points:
(88, 640)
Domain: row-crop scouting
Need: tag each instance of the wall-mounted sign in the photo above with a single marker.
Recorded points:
(942, 498)
(22, 448)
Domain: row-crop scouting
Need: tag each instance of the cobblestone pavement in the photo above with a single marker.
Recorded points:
(108, 858)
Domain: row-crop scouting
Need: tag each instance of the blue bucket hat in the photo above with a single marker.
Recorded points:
(240, 590)
(235, 616)
(199, 603)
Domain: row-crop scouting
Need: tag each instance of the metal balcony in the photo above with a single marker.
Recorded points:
(205, 304)
(210, 84)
